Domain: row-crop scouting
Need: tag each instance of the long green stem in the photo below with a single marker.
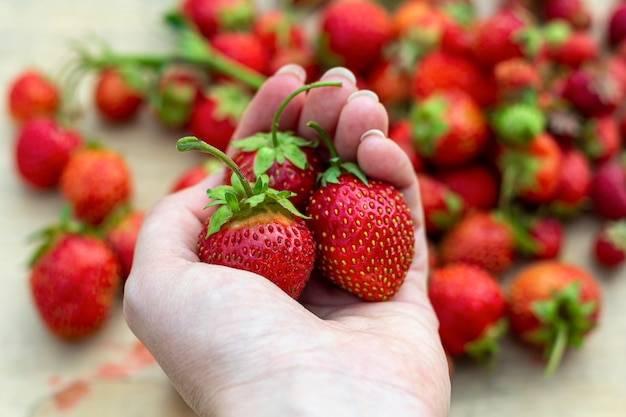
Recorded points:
(191, 143)
(286, 101)
(327, 141)
(556, 351)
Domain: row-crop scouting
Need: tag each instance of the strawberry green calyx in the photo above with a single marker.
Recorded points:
(427, 121)
(485, 349)
(564, 320)
(239, 200)
(277, 146)
(519, 171)
(616, 234)
(556, 33)
(530, 39)
(337, 166)
(232, 99)
(518, 123)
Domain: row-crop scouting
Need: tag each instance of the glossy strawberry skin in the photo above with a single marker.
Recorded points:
(285, 176)
(95, 182)
(468, 301)
(269, 244)
(74, 286)
(115, 100)
(42, 149)
(31, 95)
(364, 236)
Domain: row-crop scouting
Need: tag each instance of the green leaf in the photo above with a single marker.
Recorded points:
(263, 160)
(232, 201)
(428, 124)
(219, 218)
(254, 142)
(355, 170)
(295, 155)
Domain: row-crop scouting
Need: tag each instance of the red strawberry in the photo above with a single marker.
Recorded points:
(389, 80)
(255, 229)
(290, 162)
(74, 280)
(400, 132)
(574, 12)
(216, 114)
(42, 149)
(94, 182)
(353, 33)
(600, 138)
(609, 244)
(471, 307)
(439, 70)
(122, 236)
(117, 96)
(476, 184)
(616, 26)
(32, 94)
(573, 185)
(420, 25)
(213, 16)
(482, 239)
(505, 34)
(278, 30)
(449, 129)
(194, 174)
(244, 48)
(570, 48)
(547, 237)
(442, 207)
(608, 190)
(593, 91)
(515, 76)
(363, 231)
(177, 92)
(552, 305)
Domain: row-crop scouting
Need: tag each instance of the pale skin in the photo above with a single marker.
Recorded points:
(233, 344)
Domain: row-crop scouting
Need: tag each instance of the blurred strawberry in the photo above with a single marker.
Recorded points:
(243, 47)
(277, 30)
(442, 207)
(42, 150)
(593, 91)
(353, 33)
(514, 77)
(213, 16)
(121, 236)
(609, 244)
(568, 47)
(176, 93)
(32, 94)
(420, 26)
(195, 174)
(117, 95)
(547, 237)
(476, 184)
(389, 80)
(574, 12)
(573, 186)
(608, 190)
(400, 132)
(616, 25)
(600, 138)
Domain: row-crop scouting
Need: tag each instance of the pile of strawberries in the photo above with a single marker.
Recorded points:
(513, 122)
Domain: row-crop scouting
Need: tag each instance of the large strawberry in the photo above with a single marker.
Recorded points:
(448, 129)
(74, 278)
(471, 307)
(290, 162)
(96, 181)
(484, 239)
(42, 149)
(362, 229)
(553, 305)
(353, 33)
(255, 229)
(32, 94)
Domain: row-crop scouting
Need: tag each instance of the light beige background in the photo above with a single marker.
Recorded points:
(35, 366)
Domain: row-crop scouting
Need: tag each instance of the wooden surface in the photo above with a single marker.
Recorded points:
(110, 375)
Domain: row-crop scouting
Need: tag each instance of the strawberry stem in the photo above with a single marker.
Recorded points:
(327, 141)
(290, 97)
(191, 143)
(556, 350)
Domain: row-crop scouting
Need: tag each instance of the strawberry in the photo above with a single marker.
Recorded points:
(95, 181)
(278, 30)
(505, 34)
(517, 123)
(439, 70)
(216, 114)
(449, 128)
(574, 12)
(515, 76)
(117, 95)
(420, 25)
(609, 244)
(553, 305)
(547, 237)
(353, 33)
(388, 79)
(290, 162)
(476, 184)
(194, 174)
(255, 229)
(74, 278)
(442, 207)
(593, 91)
(121, 237)
(570, 48)
(363, 230)
(574, 179)
(480, 238)
(608, 190)
(600, 138)
(32, 94)
(616, 25)
(243, 47)
(471, 308)
(213, 16)
(42, 149)
(175, 95)
(400, 133)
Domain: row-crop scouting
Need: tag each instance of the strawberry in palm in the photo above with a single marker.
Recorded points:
(363, 230)
(255, 229)
(290, 162)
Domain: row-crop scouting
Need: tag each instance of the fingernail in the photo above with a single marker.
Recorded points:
(342, 72)
(293, 69)
(363, 93)
(373, 133)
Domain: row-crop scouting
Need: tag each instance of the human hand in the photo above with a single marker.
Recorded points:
(234, 344)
